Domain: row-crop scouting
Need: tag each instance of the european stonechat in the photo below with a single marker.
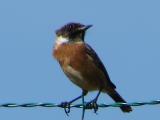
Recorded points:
(82, 65)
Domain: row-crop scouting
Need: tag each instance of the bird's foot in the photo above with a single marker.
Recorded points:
(92, 105)
(66, 106)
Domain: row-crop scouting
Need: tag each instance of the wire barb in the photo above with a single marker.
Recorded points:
(66, 106)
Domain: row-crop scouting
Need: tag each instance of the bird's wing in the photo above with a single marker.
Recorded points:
(98, 63)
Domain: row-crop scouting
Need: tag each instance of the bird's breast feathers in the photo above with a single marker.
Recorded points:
(79, 62)
(72, 53)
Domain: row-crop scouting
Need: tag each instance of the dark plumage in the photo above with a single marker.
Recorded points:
(69, 29)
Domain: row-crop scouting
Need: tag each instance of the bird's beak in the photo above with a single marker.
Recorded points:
(86, 27)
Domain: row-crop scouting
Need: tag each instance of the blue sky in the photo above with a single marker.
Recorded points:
(125, 34)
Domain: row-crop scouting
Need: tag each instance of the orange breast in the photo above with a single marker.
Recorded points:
(74, 55)
(70, 54)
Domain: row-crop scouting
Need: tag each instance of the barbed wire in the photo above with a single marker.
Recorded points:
(52, 105)
(85, 106)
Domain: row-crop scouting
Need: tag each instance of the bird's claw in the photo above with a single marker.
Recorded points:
(92, 105)
(66, 106)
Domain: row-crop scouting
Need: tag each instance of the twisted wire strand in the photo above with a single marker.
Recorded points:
(53, 105)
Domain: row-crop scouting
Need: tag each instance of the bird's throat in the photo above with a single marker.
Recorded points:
(61, 40)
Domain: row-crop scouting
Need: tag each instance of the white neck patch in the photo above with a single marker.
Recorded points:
(60, 40)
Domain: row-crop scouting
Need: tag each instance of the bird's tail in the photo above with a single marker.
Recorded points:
(117, 98)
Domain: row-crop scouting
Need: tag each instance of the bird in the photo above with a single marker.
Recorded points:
(82, 65)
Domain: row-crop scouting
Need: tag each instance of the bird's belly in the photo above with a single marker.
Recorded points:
(78, 79)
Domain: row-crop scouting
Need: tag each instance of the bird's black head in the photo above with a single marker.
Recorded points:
(73, 31)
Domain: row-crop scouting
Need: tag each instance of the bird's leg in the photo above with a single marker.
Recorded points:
(66, 105)
(93, 103)
(83, 110)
